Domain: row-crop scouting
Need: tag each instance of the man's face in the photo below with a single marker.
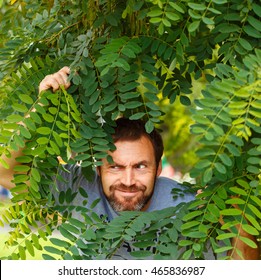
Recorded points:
(128, 182)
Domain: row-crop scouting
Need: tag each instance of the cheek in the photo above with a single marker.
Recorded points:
(147, 181)
(107, 180)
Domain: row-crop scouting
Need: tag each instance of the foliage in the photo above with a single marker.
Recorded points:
(125, 58)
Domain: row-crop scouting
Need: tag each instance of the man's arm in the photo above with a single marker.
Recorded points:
(53, 82)
(248, 252)
(7, 175)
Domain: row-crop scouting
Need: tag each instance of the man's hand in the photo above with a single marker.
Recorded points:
(56, 80)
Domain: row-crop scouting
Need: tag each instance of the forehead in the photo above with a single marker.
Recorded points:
(134, 151)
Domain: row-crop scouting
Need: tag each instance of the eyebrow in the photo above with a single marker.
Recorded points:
(144, 162)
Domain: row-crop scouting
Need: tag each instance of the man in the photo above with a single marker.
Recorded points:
(130, 182)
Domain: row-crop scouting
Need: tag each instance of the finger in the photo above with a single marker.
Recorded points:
(60, 78)
(55, 80)
(65, 71)
(49, 82)
(45, 84)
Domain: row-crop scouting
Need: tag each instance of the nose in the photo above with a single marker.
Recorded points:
(128, 177)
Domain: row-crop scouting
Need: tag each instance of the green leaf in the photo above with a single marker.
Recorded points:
(250, 229)
(208, 21)
(29, 247)
(35, 240)
(256, 199)
(77, 223)
(231, 212)
(149, 126)
(195, 234)
(20, 107)
(219, 202)
(193, 26)
(254, 210)
(233, 149)
(83, 192)
(253, 221)
(172, 16)
(245, 44)
(176, 7)
(14, 118)
(21, 168)
(190, 225)
(34, 185)
(42, 140)
(226, 236)
(207, 176)
(43, 130)
(36, 175)
(203, 164)
(133, 104)
(53, 250)
(4, 163)
(225, 159)
(197, 7)
(55, 148)
(29, 124)
(128, 52)
(248, 241)
(192, 215)
(252, 32)
(137, 116)
(235, 201)
(223, 249)
(89, 235)
(60, 243)
(19, 141)
(254, 22)
(213, 209)
(220, 168)
(141, 254)
(24, 159)
(48, 117)
(187, 254)
(154, 13)
(21, 251)
(25, 133)
(185, 100)
(256, 9)
(26, 99)
(67, 234)
(219, 2)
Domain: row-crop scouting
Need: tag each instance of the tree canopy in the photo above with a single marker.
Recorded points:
(128, 58)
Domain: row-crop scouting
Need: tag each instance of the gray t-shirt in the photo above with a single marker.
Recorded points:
(162, 196)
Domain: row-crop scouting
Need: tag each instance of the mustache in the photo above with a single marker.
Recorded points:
(131, 188)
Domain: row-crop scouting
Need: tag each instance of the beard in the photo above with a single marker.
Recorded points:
(135, 203)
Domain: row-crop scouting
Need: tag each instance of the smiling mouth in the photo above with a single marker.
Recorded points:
(128, 190)
(128, 193)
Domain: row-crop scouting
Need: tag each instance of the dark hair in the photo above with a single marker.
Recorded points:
(131, 130)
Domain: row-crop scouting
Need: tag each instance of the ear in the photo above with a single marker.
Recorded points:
(159, 169)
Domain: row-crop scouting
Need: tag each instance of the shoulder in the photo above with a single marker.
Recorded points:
(168, 193)
(73, 176)
(167, 182)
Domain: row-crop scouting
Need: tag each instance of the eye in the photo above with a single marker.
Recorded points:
(140, 166)
(114, 167)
